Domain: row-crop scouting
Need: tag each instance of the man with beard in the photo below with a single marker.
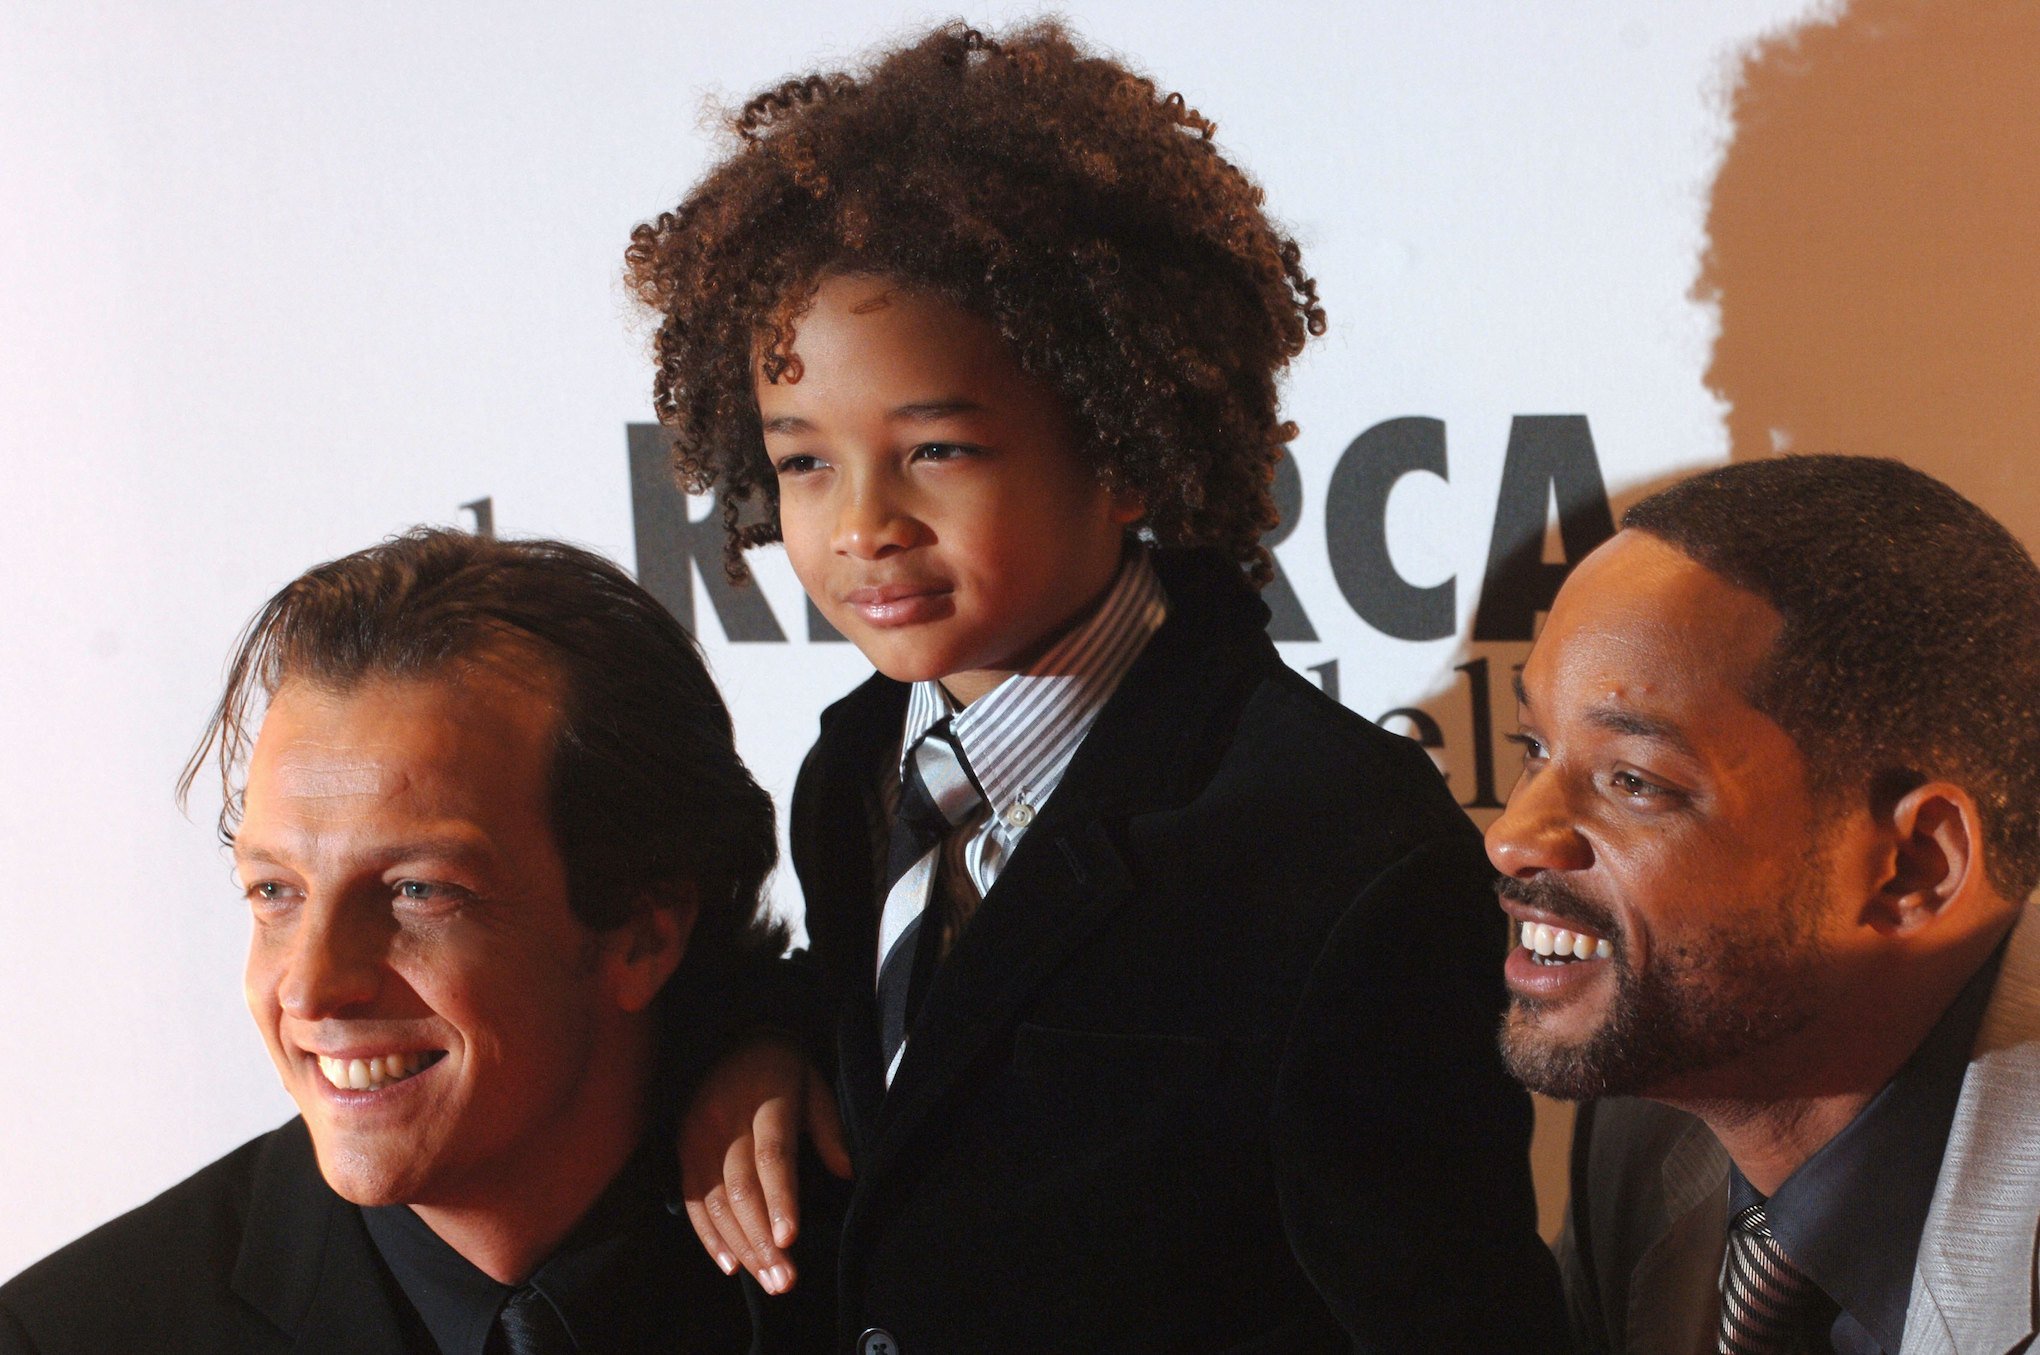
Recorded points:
(1779, 814)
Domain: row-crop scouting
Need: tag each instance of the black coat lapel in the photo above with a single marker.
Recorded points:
(306, 1262)
(1153, 746)
(837, 819)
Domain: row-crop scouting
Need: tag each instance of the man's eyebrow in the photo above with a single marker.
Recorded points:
(1522, 692)
(453, 851)
(1621, 721)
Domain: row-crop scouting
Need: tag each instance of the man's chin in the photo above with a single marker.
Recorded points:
(365, 1175)
(1552, 1065)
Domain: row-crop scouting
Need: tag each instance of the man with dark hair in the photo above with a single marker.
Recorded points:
(1769, 860)
(494, 837)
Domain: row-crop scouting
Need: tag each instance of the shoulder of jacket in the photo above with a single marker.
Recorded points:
(181, 1236)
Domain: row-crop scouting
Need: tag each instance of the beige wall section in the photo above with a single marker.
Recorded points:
(1550, 1144)
(1875, 245)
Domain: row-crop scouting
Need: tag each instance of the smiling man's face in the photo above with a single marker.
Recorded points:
(1664, 862)
(442, 1019)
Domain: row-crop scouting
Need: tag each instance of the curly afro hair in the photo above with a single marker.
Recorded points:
(1053, 193)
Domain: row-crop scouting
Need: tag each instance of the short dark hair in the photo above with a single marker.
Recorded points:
(1043, 188)
(1911, 641)
(647, 788)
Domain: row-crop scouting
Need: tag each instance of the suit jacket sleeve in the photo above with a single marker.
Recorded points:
(1401, 1144)
(13, 1338)
(1575, 1247)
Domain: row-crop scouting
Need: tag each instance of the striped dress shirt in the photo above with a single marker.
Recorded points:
(1019, 737)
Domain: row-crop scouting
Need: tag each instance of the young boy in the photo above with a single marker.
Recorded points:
(1163, 989)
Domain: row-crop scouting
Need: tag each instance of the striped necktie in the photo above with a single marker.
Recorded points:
(1766, 1301)
(937, 796)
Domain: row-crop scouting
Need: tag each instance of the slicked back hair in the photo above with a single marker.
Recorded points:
(647, 790)
(1911, 641)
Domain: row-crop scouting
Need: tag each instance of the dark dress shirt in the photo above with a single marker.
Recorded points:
(630, 1278)
(1852, 1214)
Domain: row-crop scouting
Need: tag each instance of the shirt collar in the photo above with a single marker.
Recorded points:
(1852, 1214)
(455, 1298)
(584, 1279)
(1019, 737)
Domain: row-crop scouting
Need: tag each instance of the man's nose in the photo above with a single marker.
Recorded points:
(335, 962)
(1538, 829)
(872, 521)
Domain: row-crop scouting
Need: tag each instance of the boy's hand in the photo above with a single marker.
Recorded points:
(739, 1152)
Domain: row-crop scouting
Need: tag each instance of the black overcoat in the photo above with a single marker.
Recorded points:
(1213, 1067)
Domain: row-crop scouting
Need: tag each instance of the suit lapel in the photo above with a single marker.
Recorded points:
(1067, 878)
(306, 1262)
(1675, 1287)
(1973, 1288)
(837, 835)
(1052, 896)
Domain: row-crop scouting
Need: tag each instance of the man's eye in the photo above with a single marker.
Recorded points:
(429, 891)
(1533, 750)
(269, 894)
(1634, 786)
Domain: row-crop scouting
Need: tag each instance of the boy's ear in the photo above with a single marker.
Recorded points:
(1935, 838)
(643, 953)
(1128, 507)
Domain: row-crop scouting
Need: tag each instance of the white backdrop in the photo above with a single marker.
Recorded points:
(276, 281)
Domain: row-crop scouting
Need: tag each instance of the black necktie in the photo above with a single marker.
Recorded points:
(937, 795)
(1766, 1301)
(529, 1325)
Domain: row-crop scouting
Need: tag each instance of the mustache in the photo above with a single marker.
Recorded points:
(1561, 901)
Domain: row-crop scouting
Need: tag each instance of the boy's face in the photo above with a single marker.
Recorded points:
(931, 496)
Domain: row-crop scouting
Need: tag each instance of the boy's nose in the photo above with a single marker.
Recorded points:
(871, 523)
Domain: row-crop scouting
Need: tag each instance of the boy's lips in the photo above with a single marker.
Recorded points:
(899, 604)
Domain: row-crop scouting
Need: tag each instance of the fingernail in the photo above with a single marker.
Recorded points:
(775, 1279)
(782, 1232)
(727, 1262)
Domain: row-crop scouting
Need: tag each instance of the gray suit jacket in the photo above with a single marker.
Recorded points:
(1641, 1253)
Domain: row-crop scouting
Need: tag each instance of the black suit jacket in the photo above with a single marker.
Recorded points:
(251, 1255)
(1213, 1068)
(254, 1253)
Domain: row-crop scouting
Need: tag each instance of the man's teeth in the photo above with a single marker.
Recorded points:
(367, 1075)
(1556, 943)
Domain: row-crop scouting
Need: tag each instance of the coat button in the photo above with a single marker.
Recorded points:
(877, 1341)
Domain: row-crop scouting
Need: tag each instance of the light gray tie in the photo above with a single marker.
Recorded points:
(937, 796)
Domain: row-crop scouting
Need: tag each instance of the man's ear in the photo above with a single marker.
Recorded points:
(643, 953)
(1936, 841)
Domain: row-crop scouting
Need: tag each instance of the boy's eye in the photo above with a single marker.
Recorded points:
(799, 464)
(945, 451)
